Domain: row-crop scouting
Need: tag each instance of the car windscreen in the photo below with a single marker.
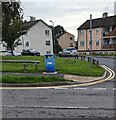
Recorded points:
(71, 49)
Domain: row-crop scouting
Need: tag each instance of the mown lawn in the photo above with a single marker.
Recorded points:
(62, 65)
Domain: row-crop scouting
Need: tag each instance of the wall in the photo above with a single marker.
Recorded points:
(65, 41)
(86, 39)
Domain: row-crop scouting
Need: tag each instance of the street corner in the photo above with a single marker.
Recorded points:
(78, 81)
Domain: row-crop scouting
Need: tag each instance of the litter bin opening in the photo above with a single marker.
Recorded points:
(48, 56)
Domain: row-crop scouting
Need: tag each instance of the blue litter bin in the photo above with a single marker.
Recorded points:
(49, 63)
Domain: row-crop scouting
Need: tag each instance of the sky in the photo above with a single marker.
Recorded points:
(68, 13)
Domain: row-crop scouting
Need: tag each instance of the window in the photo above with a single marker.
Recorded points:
(46, 32)
(71, 44)
(81, 32)
(47, 42)
(97, 42)
(82, 43)
(97, 30)
(71, 38)
(48, 52)
(27, 43)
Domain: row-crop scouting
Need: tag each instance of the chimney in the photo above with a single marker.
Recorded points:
(105, 15)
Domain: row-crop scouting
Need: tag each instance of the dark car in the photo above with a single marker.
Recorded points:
(31, 52)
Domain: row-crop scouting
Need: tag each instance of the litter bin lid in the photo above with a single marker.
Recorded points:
(49, 54)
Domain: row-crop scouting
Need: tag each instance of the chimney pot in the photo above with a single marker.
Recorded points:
(105, 15)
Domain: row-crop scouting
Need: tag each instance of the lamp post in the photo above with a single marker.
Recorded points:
(53, 37)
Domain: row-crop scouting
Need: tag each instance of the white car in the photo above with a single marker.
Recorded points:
(9, 53)
(68, 51)
(72, 50)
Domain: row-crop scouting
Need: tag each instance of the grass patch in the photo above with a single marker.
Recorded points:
(62, 65)
(28, 79)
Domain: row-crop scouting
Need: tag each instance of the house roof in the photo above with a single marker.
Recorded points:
(99, 22)
(64, 33)
(59, 35)
(29, 24)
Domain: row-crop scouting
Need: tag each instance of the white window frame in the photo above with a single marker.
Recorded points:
(71, 45)
(26, 43)
(47, 32)
(71, 38)
(97, 42)
(48, 52)
(82, 43)
(82, 32)
(47, 42)
(97, 30)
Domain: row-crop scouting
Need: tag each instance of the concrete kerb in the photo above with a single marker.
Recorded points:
(104, 78)
(111, 57)
(86, 80)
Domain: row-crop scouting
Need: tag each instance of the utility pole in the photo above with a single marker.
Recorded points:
(23, 42)
(54, 49)
(91, 36)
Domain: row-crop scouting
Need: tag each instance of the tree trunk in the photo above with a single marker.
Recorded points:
(11, 48)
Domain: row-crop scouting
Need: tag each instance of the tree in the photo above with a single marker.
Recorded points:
(12, 24)
(58, 30)
(32, 18)
(76, 46)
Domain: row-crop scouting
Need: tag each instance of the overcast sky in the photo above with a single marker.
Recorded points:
(68, 13)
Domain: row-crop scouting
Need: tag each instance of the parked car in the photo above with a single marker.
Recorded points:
(31, 52)
(68, 51)
(15, 53)
(64, 53)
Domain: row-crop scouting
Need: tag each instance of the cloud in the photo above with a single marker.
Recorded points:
(66, 13)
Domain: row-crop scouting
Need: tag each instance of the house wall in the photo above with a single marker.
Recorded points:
(82, 38)
(65, 40)
(96, 36)
(37, 38)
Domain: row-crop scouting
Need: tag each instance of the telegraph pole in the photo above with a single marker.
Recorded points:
(91, 36)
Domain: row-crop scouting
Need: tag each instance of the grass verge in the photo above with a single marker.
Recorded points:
(28, 79)
(62, 65)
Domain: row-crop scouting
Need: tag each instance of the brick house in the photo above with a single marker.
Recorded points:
(66, 40)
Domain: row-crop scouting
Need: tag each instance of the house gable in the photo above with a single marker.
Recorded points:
(37, 38)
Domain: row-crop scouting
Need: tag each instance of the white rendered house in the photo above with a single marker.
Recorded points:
(38, 37)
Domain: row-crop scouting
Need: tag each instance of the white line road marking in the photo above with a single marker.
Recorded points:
(114, 88)
(80, 88)
(84, 107)
(100, 88)
(48, 107)
(60, 88)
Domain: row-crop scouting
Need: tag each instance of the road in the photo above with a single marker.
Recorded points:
(95, 101)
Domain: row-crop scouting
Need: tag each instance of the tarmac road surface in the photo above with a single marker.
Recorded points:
(95, 101)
